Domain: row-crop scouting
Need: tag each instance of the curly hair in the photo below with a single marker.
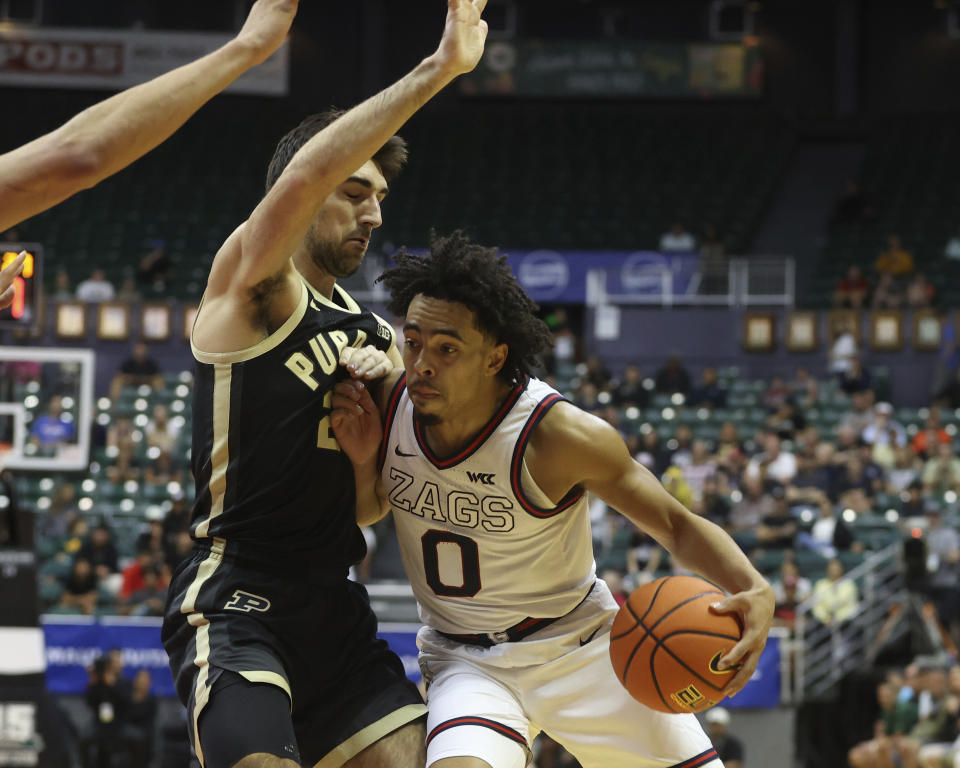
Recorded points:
(391, 157)
(457, 269)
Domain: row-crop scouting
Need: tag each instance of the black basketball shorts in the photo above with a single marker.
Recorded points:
(316, 641)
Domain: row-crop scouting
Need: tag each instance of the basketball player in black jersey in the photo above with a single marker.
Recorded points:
(273, 650)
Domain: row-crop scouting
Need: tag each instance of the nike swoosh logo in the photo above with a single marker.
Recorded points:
(589, 637)
(396, 450)
(715, 668)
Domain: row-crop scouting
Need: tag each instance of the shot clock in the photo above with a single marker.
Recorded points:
(23, 311)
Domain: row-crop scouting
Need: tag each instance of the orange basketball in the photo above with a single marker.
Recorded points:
(666, 642)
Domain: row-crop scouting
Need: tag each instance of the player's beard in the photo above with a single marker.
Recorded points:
(334, 258)
(426, 419)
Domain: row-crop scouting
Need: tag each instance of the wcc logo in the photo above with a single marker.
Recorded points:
(483, 478)
(246, 602)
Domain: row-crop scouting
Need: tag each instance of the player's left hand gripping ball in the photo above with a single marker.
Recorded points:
(366, 363)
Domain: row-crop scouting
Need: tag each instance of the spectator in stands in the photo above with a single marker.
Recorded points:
(128, 290)
(137, 370)
(878, 431)
(818, 477)
(937, 715)
(804, 389)
(54, 524)
(155, 268)
(652, 455)
(95, 288)
(920, 294)
(673, 377)
(779, 528)
(888, 294)
(587, 397)
(913, 505)
(729, 748)
(630, 390)
(904, 472)
(677, 240)
(940, 754)
(952, 250)
(597, 373)
(101, 552)
(681, 446)
(852, 289)
(677, 486)
(773, 464)
(714, 505)
(53, 429)
(150, 598)
(844, 348)
(615, 581)
(897, 719)
(829, 534)
(728, 440)
(861, 416)
(786, 420)
(789, 591)
(895, 260)
(834, 597)
(708, 392)
(153, 539)
(138, 731)
(754, 505)
(851, 208)
(942, 472)
(133, 579)
(77, 533)
(943, 568)
(160, 431)
(61, 286)
(643, 558)
(856, 379)
(701, 466)
(121, 442)
(926, 440)
(80, 588)
(109, 702)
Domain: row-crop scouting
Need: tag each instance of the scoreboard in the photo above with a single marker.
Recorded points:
(23, 311)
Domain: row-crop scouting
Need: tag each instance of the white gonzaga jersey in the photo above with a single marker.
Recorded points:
(483, 546)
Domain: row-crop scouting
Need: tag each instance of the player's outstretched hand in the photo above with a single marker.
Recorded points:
(7, 275)
(356, 421)
(464, 36)
(366, 363)
(755, 608)
(267, 26)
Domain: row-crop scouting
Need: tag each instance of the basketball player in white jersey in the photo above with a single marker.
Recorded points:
(485, 469)
(108, 136)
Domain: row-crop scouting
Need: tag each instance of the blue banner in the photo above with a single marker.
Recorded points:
(763, 690)
(560, 277)
(71, 647)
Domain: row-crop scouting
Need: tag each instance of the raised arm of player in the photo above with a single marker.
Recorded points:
(572, 448)
(261, 249)
(110, 135)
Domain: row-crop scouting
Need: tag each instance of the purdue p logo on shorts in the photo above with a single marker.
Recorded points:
(246, 602)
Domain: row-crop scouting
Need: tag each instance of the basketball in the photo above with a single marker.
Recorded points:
(666, 642)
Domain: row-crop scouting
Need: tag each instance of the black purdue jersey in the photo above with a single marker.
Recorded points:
(273, 487)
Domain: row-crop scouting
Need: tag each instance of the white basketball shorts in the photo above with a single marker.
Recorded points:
(491, 702)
